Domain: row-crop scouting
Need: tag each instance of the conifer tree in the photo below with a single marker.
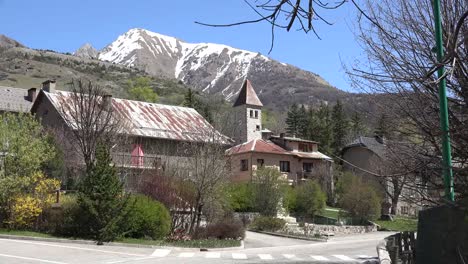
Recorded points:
(296, 121)
(190, 99)
(340, 127)
(382, 128)
(101, 199)
(358, 128)
(325, 128)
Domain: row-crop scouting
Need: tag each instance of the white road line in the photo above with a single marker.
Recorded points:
(186, 255)
(32, 259)
(213, 255)
(239, 256)
(265, 256)
(289, 256)
(71, 247)
(128, 260)
(343, 257)
(363, 256)
(161, 253)
(319, 258)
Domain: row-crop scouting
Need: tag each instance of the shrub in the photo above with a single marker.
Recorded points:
(147, 218)
(310, 199)
(359, 199)
(268, 190)
(290, 199)
(221, 230)
(266, 223)
(240, 197)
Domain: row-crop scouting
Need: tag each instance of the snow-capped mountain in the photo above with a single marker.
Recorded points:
(215, 68)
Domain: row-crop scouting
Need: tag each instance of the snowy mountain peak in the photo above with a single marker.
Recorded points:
(210, 67)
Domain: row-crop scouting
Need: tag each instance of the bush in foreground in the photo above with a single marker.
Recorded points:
(266, 223)
(147, 218)
(221, 230)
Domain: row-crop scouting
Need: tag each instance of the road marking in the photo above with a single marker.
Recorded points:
(212, 255)
(239, 256)
(71, 247)
(319, 257)
(129, 259)
(343, 257)
(363, 256)
(186, 255)
(289, 256)
(33, 259)
(161, 253)
(265, 256)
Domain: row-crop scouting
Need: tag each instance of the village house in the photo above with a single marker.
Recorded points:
(297, 159)
(16, 100)
(154, 133)
(367, 158)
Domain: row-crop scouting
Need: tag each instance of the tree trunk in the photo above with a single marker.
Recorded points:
(393, 209)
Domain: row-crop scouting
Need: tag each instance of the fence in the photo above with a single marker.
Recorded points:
(402, 248)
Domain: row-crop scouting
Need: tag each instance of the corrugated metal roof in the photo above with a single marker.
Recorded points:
(155, 120)
(247, 95)
(14, 99)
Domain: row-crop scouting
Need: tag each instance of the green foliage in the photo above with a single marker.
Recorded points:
(227, 229)
(310, 199)
(290, 199)
(268, 190)
(296, 121)
(340, 128)
(357, 198)
(399, 224)
(319, 127)
(101, 199)
(240, 197)
(191, 99)
(147, 218)
(358, 128)
(140, 89)
(25, 144)
(267, 223)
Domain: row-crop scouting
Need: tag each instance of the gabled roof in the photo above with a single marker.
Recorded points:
(14, 99)
(370, 143)
(150, 120)
(267, 146)
(247, 95)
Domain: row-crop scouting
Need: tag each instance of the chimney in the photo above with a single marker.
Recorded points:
(107, 102)
(32, 93)
(49, 86)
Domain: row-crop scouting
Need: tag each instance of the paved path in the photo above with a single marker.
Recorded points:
(356, 249)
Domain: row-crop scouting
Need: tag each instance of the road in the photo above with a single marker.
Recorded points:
(259, 248)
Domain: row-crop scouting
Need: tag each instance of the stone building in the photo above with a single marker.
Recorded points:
(16, 100)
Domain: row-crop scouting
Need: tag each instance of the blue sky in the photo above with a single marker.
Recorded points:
(65, 25)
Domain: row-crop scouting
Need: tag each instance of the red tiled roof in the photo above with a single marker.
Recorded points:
(247, 95)
(257, 145)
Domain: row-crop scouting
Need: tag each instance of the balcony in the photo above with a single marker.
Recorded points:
(127, 160)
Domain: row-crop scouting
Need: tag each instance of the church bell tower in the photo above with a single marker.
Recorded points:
(248, 109)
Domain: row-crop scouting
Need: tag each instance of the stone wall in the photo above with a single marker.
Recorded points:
(314, 229)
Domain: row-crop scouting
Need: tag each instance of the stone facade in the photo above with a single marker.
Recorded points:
(310, 230)
(250, 123)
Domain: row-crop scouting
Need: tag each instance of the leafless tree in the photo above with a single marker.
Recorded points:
(90, 119)
(400, 65)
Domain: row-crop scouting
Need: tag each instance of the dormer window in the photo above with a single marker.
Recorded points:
(305, 147)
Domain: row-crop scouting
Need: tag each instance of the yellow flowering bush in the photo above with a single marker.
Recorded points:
(27, 207)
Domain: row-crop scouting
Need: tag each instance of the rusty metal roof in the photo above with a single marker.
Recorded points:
(247, 95)
(155, 120)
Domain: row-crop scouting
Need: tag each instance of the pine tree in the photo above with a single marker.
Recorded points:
(340, 127)
(325, 129)
(190, 99)
(383, 127)
(101, 199)
(296, 121)
(358, 128)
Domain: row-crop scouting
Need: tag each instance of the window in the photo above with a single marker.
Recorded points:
(256, 114)
(260, 162)
(258, 128)
(244, 165)
(304, 147)
(251, 113)
(284, 166)
(307, 167)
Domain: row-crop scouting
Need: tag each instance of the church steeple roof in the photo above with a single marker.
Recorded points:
(247, 95)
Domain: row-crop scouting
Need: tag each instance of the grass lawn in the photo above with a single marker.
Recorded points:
(204, 243)
(399, 224)
(330, 212)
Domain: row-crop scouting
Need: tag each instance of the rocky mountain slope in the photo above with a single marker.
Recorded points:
(218, 69)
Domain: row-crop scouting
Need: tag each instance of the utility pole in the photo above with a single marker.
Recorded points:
(444, 120)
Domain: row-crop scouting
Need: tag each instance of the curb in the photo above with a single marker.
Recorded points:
(382, 253)
(290, 236)
(117, 244)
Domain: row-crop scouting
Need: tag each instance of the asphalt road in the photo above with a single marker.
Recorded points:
(259, 248)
